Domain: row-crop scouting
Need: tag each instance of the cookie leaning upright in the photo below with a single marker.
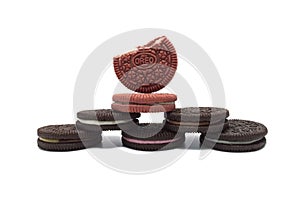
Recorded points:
(197, 119)
(148, 68)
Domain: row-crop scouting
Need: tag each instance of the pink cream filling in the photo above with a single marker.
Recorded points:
(149, 141)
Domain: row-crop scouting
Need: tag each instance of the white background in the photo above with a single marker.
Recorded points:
(254, 44)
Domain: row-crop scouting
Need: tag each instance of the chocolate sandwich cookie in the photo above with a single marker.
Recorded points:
(241, 136)
(151, 137)
(148, 68)
(104, 119)
(66, 138)
(197, 119)
(145, 103)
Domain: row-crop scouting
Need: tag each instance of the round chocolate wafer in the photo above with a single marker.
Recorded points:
(242, 130)
(240, 136)
(64, 131)
(106, 115)
(148, 68)
(66, 138)
(95, 128)
(198, 114)
(150, 137)
(149, 131)
(69, 146)
(200, 128)
(154, 147)
(255, 146)
(99, 128)
(104, 119)
(197, 119)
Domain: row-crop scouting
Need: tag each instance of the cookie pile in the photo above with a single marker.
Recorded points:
(146, 70)
(218, 132)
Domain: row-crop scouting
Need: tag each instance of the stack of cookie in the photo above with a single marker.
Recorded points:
(87, 132)
(216, 131)
(145, 70)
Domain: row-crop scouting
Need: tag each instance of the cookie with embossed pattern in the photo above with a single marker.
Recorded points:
(241, 136)
(104, 119)
(197, 119)
(148, 68)
(151, 137)
(66, 137)
(144, 103)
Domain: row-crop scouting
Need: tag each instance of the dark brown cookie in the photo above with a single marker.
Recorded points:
(64, 131)
(197, 119)
(197, 127)
(95, 128)
(148, 68)
(104, 119)
(66, 138)
(241, 136)
(68, 146)
(198, 114)
(242, 131)
(151, 137)
(154, 147)
(145, 103)
(149, 131)
(106, 115)
(255, 146)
